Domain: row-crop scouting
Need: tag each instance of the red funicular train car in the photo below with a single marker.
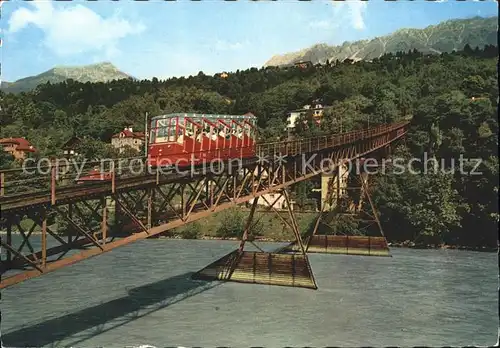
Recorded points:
(185, 139)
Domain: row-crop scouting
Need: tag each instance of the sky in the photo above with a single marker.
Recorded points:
(162, 39)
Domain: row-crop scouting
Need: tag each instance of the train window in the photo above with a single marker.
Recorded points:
(162, 133)
(162, 128)
(199, 134)
(189, 129)
(171, 133)
(172, 127)
(165, 131)
(206, 129)
(209, 129)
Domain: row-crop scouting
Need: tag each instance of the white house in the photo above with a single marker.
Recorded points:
(266, 200)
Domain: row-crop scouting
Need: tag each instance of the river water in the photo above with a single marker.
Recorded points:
(141, 294)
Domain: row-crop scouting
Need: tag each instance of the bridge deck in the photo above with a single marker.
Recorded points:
(273, 150)
(152, 209)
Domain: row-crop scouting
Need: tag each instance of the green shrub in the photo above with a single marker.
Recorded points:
(191, 231)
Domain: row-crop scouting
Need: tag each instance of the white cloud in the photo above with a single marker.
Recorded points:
(352, 11)
(74, 29)
(357, 11)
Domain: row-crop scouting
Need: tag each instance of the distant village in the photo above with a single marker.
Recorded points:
(21, 148)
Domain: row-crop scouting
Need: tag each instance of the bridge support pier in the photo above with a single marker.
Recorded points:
(261, 267)
(346, 224)
(333, 187)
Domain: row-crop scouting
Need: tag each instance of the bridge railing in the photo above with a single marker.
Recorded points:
(308, 145)
(65, 173)
(61, 172)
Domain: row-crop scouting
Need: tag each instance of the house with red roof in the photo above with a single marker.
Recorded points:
(19, 148)
(127, 137)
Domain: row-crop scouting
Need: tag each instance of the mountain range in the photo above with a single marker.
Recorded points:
(100, 72)
(444, 37)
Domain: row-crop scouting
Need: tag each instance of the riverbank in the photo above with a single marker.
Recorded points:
(444, 246)
(257, 239)
(404, 245)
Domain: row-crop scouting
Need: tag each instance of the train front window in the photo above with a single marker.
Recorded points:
(165, 130)
(172, 128)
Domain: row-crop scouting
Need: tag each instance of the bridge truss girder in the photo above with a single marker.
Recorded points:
(159, 203)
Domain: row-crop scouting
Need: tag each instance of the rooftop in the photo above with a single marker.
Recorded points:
(246, 116)
(22, 144)
(128, 133)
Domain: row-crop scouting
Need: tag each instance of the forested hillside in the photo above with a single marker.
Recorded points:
(437, 91)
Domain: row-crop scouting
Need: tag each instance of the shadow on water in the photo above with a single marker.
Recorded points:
(90, 322)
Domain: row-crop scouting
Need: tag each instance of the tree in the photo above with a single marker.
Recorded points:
(232, 224)
(6, 159)
(273, 131)
(424, 208)
(91, 149)
(302, 192)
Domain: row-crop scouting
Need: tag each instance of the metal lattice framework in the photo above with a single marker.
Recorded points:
(365, 238)
(79, 221)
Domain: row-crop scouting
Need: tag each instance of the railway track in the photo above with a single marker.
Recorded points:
(76, 192)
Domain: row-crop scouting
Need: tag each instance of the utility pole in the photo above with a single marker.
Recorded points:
(146, 135)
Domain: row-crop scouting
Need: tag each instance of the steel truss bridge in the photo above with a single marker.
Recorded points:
(77, 221)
